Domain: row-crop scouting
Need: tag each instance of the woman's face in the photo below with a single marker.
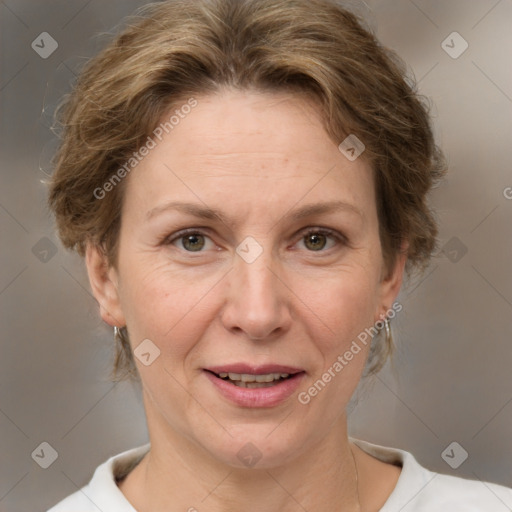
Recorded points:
(279, 271)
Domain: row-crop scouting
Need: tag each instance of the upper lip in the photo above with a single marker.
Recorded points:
(254, 370)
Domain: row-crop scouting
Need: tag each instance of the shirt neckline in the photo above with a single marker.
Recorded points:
(106, 476)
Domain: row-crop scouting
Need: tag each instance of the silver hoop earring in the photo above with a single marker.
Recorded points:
(118, 335)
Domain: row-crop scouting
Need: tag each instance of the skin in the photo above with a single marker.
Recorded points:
(256, 157)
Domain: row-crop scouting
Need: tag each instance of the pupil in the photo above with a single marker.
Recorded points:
(193, 242)
(317, 239)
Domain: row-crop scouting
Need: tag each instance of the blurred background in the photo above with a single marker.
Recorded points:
(450, 380)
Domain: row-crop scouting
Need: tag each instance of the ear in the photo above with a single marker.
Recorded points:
(104, 283)
(391, 282)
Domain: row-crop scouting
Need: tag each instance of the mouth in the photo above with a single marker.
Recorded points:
(252, 386)
(247, 380)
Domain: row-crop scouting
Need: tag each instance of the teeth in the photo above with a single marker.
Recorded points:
(256, 384)
(247, 378)
(242, 384)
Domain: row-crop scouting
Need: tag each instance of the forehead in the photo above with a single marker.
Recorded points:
(246, 142)
(233, 126)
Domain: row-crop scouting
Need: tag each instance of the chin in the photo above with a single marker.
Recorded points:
(261, 446)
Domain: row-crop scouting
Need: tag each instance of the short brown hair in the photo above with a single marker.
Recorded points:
(175, 49)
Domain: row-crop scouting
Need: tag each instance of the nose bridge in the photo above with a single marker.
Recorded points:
(252, 270)
(256, 303)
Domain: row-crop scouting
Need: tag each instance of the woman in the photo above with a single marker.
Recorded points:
(247, 181)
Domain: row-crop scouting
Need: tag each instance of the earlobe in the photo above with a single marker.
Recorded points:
(104, 285)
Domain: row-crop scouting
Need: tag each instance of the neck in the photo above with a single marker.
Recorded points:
(178, 474)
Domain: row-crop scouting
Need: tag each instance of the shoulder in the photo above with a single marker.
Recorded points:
(444, 493)
(102, 492)
(421, 490)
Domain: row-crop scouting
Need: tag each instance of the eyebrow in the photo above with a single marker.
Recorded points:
(205, 212)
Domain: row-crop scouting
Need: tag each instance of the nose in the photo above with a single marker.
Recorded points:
(258, 301)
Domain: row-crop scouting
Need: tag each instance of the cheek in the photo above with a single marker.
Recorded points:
(167, 307)
(347, 307)
(343, 303)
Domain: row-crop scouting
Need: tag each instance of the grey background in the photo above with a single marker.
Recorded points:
(450, 380)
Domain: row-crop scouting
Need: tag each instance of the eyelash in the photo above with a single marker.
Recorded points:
(340, 239)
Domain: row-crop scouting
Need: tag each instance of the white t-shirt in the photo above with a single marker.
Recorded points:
(417, 489)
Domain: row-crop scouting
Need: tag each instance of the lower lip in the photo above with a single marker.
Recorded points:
(257, 397)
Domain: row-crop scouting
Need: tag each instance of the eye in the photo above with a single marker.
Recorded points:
(317, 239)
(189, 240)
(314, 239)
